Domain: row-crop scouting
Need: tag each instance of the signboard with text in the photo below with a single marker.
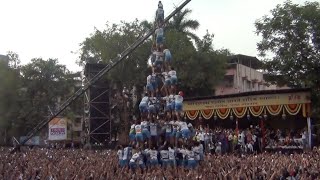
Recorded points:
(246, 101)
(58, 129)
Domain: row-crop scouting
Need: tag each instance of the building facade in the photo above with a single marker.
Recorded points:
(244, 74)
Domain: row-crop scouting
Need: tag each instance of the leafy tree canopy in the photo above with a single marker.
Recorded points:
(198, 65)
(292, 34)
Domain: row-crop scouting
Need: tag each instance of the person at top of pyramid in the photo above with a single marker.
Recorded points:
(160, 14)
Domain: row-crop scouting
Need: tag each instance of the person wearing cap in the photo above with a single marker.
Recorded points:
(160, 14)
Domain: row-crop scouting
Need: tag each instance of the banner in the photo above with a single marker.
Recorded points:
(58, 129)
(34, 141)
(248, 101)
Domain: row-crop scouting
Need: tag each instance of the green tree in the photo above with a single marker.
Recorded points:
(199, 69)
(181, 24)
(45, 85)
(9, 98)
(105, 45)
(292, 35)
(14, 60)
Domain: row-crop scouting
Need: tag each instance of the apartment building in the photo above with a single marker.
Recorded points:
(244, 74)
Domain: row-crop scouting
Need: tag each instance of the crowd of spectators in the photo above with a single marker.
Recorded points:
(52, 164)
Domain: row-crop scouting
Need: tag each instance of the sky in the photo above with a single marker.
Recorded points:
(55, 29)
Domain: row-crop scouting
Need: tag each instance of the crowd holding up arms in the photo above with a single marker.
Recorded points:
(105, 164)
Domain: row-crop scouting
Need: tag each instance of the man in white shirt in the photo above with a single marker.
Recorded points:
(167, 108)
(127, 153)
(218, 148)
(154, 132)
(153, 157)
(145, 129)
(185, 131)
(192, 163)
(149, 85)
(196, 150)
(168, 130)
(178, 100)
(174, 80)
(173, 132)
(166, 83)
(132, 134)
(139, 135)
(159, 38)
(143, 106)
(167, 58)
(154, 84)
(152, 107)
(136, 160)
(172, 156)
(164, 154)
(120, 156)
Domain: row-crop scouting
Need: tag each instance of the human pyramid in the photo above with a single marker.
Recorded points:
(160, 136)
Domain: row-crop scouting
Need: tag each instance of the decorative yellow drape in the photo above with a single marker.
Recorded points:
(240, 112)
(207, 113)
(256, 110)
(223, 113)
(274, 109)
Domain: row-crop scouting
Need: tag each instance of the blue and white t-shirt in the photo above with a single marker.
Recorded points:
(178, 99)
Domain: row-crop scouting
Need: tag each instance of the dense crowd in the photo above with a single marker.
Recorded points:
(164, 146)
(104, 164)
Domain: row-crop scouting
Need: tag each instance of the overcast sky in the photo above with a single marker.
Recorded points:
(54, 29)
